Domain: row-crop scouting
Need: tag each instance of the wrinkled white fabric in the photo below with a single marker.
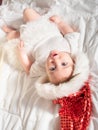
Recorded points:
(20, 106)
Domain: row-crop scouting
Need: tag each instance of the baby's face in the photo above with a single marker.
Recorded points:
(59, 66)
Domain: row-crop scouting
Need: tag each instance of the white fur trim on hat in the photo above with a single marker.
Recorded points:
(80, 76)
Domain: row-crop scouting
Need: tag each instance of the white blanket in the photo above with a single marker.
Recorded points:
(20, 106)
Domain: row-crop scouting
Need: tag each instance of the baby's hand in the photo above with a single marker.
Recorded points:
(20, 46)
(61, 24)
(23, 57)
(56, 19)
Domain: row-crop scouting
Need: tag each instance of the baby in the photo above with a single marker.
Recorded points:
(55, 50)
(59, 64)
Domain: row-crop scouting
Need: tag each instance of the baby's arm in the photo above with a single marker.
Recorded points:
(23, 57)
(62, 25)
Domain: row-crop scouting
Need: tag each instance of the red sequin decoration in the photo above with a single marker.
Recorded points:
(75, 110)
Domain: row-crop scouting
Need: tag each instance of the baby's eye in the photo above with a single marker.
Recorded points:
(64, 63)
(52, 68)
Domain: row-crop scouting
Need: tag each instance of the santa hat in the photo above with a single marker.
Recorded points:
(80, 75)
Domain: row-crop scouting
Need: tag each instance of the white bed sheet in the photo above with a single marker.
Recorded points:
(20, 106)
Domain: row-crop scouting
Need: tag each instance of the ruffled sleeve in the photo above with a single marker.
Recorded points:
(73, 41)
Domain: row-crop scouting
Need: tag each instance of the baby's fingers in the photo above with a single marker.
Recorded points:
(21, 44)
(56, 19)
